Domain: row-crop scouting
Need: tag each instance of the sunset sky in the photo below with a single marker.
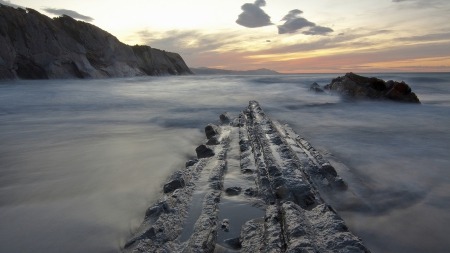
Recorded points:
(289, 36)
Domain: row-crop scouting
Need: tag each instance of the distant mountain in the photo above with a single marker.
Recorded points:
(34, 46)
(212, 71)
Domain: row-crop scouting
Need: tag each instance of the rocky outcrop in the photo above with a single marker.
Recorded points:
(34, 46)
(370, 87)
(284, 176)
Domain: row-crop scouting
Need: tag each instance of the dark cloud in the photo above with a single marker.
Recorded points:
(268, 41)
(318, 30)
(294, 23)
(292, 14)
(253, 16)
(9, 3)
(71, 13)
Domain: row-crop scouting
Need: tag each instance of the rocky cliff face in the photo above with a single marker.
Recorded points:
(34, 46)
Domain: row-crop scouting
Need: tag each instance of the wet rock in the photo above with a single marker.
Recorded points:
(213, 140)
(191, 162)
(176, 182)
(204, 151)
(273, 241)
(316, 88)
(211, 130)
(288, 172)
(252, 236)
(233, 243)
(251, 192)
(232, 191)
(225, 225)
(320, 228)
(225, 118)
(364, 87)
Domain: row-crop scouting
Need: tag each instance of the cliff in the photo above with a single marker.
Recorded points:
(34, 46)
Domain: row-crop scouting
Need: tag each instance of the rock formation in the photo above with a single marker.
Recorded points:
(364, 87)
(34, 46)
(284, 178)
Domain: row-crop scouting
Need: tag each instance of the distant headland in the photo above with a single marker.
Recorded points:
(34, 46)
(213, 71)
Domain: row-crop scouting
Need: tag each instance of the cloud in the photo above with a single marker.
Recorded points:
(292, 14)
(10, 4)
(71, 13)
(294, 23)
(253, 16)
(420, 4)
(318, 30)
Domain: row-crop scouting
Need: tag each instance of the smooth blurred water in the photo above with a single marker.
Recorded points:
(81, 160)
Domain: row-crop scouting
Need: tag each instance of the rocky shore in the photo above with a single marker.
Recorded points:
(34, 46)
(256, 186)
(357, 86)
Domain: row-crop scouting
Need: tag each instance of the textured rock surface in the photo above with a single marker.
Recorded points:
(364, 87)
(289, 177)
(34, 46)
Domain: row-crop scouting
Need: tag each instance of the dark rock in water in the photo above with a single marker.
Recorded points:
(34, 46)
(233, 243)
(204, 151)
(191, 162)
(213, 141)
(315, 87)
(364, 87)
(211, 130)
(225, 226)
(251, 192)
(233, 191)
(225, 118)
(176, 182)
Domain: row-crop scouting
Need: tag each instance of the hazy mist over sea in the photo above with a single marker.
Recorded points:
(81, 160)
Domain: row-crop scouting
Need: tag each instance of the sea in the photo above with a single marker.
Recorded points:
(81, 160)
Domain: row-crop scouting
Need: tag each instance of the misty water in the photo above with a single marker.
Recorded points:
(81, 160)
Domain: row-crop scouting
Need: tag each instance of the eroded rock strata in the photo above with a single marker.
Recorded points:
(34, 46)
(264, 181)
(370, 87)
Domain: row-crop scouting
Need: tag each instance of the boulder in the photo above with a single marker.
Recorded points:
(213, 140)
(225, 118)
(357, 86)
(211, 130)
(315, 87)
(233, 191)
(204, 151)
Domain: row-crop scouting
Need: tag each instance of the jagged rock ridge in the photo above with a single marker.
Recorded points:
(34, 46)
(284, 177)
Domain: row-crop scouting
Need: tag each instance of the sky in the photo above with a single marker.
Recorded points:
(289, 36)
